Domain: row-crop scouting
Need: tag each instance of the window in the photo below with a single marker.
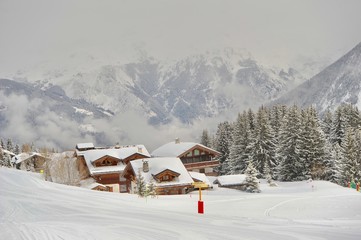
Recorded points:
(165, 178)
(189, 154)
(196, 152)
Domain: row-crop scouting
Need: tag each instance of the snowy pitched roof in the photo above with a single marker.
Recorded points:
(158, 165)
(231, 180)
(120, 153)
(24, 156)
(7, 152)
(200, 177)
(176, 149)
(84, 146)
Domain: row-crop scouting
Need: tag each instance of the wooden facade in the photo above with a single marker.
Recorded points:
(35, 163)
(164, 177)
(200, 159)
(109, 178)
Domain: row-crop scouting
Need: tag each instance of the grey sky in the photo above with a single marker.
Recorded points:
(272, 30)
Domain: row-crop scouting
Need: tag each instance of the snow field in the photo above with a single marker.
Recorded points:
(31, 208)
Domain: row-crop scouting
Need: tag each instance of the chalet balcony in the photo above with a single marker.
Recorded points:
(204, 164)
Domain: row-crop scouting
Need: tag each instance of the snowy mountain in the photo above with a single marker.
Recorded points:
(46, 115)
(188, 89)
(338, 83)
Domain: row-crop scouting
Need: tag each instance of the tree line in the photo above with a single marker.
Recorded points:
(291, 144)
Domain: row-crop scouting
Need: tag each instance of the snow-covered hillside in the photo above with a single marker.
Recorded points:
(31, 208)
(338, 83)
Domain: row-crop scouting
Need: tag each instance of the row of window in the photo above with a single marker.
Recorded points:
(196, 159)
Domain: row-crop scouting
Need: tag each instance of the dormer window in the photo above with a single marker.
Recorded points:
(106, 161)
(166, 176)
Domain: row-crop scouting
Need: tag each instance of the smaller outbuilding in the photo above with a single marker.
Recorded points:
(237, 181)
(33, 161)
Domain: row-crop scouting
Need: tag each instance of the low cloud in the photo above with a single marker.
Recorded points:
(31, 121)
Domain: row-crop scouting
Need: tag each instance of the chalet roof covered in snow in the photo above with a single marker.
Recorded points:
(230, 180)
(7, 152)
(120, 153)
(158, 165)
(200, 177)
(84, 146)
(177, 148)
(24, 156)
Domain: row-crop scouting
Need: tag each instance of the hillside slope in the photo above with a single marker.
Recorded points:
(31, 208)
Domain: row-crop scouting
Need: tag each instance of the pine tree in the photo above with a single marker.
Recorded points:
(5, 159)
(339, 126)
(312, 151)
(223, 140)
(141, 186)
(235, 154)
(2, 145)
(17, 149)
(290, 166)
(335, 166)
(9, 145)
(251, 179)
(150, 189)
(326, 125)
(205, 139)
(350, 169)
(263, 147)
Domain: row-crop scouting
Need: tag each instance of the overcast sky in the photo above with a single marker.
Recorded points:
(272, 30)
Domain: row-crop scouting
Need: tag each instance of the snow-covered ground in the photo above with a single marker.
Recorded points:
(31, 208)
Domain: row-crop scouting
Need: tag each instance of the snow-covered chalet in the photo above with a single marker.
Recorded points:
(195, 157)
(168, 175)
(106, 164)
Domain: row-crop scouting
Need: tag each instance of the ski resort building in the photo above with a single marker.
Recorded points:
(106, 164)
(32, 161)
(195, 157)
(168, 175)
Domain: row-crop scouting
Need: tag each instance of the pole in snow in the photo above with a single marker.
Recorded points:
(200, 202)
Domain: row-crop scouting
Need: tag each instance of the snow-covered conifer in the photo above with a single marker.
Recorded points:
(235, 154)
(350, 168)
(326, 125)
(263, 147)
(339, 125)
(223, 141)
(251, 179)
(9, 145)
(150, 189)
(290, 167)
(205, 139)
(141, 185)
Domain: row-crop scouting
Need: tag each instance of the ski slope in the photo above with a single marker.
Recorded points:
(31, 208)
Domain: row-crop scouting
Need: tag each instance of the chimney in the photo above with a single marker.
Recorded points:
(145, 166)
(140, 150)
(177, 141)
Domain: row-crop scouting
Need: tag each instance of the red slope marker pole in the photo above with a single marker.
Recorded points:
(200, 203)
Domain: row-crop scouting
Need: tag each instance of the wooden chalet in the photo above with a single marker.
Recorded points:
(106, 164)
(33, 161)
(168, 175)
(195, 157)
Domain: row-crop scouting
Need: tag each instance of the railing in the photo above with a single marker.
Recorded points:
(201, 164)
